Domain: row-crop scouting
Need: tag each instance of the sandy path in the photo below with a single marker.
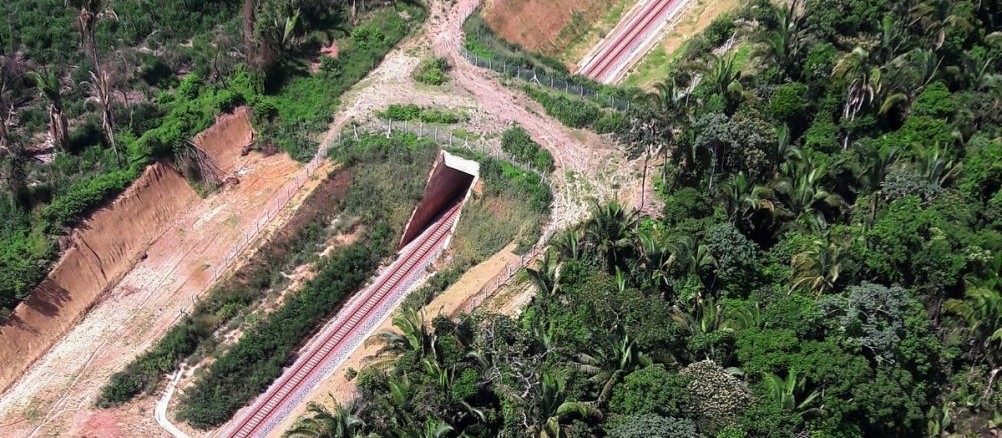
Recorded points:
(588, 167)
(55, 397)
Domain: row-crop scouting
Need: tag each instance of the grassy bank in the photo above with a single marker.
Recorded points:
(388, 178)
(229, 304)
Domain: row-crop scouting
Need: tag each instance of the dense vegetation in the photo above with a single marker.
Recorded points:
(413, 113)
(237, 300)
(827, 264)
(576, 112)
(517, 143)
(91, 92)
(387, 181)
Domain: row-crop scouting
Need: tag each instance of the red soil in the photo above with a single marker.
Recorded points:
(536, 24)
(103, 249)
(225, 139)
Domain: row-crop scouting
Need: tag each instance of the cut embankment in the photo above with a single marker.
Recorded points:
(231, 136)
(548, 27)
(103, 249)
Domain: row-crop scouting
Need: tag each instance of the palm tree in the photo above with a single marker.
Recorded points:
(689, 256)
(876, 165)
(430, 429)
(611, 230)
(546, 276)
(552, 409)
(863, 77)
(981, 309)
(654, 259)
(12, 70)
(607, 365)
(782, 45)
(100, 92)
(88, 11)
(321, 422)
(48, 85)
(414, 336)
(788, 393)
(933, 165)
(268, 27)
(817, 269)
(568, 245)
(800, 189)
(724, 77)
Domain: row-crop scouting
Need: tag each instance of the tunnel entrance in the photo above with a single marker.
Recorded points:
(449, 182)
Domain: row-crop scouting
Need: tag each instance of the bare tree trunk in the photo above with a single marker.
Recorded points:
(107, 124)
(643, 180)
(4, 133)
(58, 128)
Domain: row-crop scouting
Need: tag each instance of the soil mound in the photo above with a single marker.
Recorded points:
(226, 139)
(536, 24)
(103, 249)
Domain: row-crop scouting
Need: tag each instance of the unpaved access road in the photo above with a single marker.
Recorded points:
(55, 398)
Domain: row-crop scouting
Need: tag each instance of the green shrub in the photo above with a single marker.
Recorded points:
(412, 112)
(787, 102)
(66, 209)
(516, 142)
(609, 123)
(432, 71)
(575, 113)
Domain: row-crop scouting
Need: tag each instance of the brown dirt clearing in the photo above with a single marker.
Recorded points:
(178, 268)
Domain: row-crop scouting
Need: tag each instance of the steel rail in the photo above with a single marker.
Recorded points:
(303, 369)
(613, 58)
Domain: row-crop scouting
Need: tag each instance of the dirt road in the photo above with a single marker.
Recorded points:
(588, 167)
(55, 398)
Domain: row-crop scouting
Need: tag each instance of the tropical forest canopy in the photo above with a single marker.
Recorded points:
(827, 262)
(92, 91)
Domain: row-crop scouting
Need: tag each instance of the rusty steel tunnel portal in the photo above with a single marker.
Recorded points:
(449, 182)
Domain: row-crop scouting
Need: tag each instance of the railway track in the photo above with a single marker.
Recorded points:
(267, 410)
(621, 45)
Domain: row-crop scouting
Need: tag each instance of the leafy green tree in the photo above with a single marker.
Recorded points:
(718, 398)
(651, 390)
(735, 257)
(871, 316)
(653, 426)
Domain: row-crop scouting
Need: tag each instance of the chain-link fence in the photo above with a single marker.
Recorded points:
(272, 209)
(536, 77)
(446, 137)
